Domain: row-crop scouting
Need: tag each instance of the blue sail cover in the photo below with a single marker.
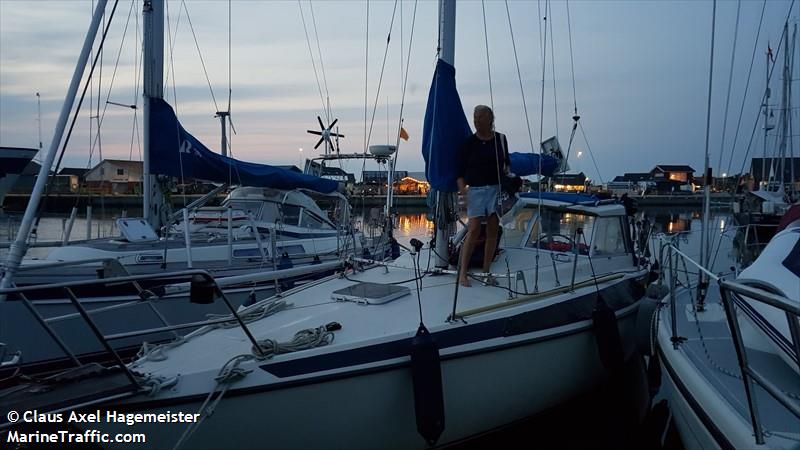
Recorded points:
(175, 152)
(444, 131)
(523, 164)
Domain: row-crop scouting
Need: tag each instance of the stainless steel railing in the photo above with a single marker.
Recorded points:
(731, 293)
(203, 289)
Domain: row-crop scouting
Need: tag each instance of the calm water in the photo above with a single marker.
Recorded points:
(611, 417)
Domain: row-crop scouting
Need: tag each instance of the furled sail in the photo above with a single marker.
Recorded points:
(523, 164)
(175, 152)
(445, 129)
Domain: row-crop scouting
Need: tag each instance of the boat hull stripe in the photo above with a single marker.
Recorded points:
(618, 295)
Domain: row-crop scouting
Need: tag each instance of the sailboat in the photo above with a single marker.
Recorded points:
(759, 210)
(730, 371)
(729, 347)
(393, 353)
(270, 236)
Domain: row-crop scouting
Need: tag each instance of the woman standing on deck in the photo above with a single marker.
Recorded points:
(483, 160)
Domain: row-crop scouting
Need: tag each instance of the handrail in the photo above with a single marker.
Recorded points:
(728, 291)
(196, 275)
(749, 374)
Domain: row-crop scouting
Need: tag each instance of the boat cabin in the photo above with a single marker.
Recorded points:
(265, 206)
(568, 223)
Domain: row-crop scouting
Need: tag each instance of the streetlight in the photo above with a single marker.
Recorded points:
(580, 153)
(301, 158)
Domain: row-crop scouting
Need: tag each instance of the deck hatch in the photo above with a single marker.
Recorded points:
(370, 293)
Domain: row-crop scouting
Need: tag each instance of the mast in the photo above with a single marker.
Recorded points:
(705, 253)
(39, 116)
(224, 144)
(153, 17)
(20, 245)
(785, 105)
(792, 180)
(447, 51)
(767, 126)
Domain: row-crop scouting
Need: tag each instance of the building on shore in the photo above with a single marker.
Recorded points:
(415, 183)
(115, 176)
(570, 182)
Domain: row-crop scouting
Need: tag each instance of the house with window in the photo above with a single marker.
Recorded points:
(415, 183)
(115, 176)
(673, 178)
(574, 182)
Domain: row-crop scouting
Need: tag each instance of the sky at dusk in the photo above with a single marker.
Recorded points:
(640, 73)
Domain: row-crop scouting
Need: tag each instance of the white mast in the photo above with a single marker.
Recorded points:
(20, 245)
(447, 52)
(705, 253)
(153, 17)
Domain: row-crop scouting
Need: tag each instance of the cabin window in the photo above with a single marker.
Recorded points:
(608, 237)
(269, 212)
(120, 172)
(558, 231)
(314, 222)
(514, 229)
(251, 209)
(290, 214)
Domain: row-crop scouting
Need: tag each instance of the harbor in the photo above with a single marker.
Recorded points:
(401, 225)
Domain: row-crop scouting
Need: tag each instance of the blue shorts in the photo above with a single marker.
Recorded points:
(482, 201)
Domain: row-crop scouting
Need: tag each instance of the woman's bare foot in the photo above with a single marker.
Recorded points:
(465, 282)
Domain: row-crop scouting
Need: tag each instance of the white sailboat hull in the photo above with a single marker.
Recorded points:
(485, 387)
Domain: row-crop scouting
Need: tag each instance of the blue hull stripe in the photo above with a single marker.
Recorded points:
(618, 296)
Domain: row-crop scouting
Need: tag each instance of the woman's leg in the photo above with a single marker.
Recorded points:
(473, 229)
(492, 224)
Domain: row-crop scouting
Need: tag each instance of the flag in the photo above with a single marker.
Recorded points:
(403, 134)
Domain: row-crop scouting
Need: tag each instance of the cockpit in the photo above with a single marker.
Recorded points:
(592, 230)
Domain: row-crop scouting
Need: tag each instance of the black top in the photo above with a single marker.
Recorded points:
(478, 162)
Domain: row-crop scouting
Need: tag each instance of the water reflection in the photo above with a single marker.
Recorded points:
(670, 222)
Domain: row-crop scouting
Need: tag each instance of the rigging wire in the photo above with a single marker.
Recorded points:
(589, 147)
(71, 128)
(321, 64)
(572, 60)
(553, 66)
(171, 44)
(488, 64)
(764, 96)
(380, 77)
(200, 54)
(138, 67)
(730, 83)
(543, 47)
(404, 77)
(746, 86)
(313, 63)
(519, 77)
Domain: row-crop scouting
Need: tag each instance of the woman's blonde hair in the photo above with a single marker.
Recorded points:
(484, 108)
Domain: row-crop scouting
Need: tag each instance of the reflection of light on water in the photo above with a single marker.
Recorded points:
(722, 224)
(669, 227)
(413, 224)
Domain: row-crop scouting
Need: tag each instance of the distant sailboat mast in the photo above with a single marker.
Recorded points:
(767, 125)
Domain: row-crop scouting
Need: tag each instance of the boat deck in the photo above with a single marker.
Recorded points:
(709, 348)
